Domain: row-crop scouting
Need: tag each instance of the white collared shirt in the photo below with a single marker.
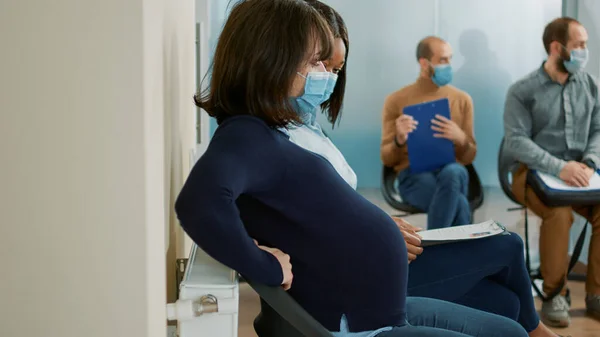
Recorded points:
(311, 138)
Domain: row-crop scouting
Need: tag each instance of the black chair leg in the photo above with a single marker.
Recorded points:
(576, 277)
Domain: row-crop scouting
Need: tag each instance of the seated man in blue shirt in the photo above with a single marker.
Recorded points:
(552, 124)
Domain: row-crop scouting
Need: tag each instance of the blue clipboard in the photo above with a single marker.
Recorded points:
(425, 152)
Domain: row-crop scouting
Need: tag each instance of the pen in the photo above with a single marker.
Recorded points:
(474, 235)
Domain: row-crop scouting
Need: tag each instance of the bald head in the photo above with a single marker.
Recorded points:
(432, 51)
(430, 47)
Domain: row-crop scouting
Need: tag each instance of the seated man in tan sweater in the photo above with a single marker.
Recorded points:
(441, 193)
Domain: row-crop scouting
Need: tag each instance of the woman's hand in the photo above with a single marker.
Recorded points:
(412, 239)
(284, 261)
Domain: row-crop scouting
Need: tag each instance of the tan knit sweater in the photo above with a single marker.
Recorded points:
(423, 90)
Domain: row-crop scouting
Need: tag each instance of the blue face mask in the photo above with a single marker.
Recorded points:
(577, 61)
(442, 74)
(330, 86)
(317, 89)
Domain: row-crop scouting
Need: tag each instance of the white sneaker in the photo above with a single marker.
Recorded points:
(555, 312)
(592, 304)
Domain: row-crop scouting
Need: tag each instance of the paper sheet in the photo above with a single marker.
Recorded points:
(460, 233)
(557, 184)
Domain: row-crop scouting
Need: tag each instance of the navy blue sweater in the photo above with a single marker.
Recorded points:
(348, 256)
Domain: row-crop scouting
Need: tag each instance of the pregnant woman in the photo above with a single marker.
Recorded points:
(349, 259)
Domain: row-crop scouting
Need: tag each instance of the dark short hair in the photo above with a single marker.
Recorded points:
(263, 45)
(557, 30)
(424, 47)
(333, 106)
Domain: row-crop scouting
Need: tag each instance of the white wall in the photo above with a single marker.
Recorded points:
(82, 183)
(589, 16)
(204, 18)
(494, 43)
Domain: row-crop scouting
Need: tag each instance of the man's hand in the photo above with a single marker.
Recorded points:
(589, 171)
(412, 239)
(284, 261)
(576, 174)
(446, 128)
(405, 124)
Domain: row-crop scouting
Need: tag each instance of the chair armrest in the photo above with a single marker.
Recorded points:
(290, 310)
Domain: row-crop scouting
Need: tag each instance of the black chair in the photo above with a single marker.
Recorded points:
(282, 316)
(392, 196)
(506, 168)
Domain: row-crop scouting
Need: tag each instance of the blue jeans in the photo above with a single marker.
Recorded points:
(434, 318)
(429, 317)
(442, 194)
(486, 274)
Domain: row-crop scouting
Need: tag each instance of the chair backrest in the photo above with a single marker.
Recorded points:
(506, 167)
(390, 192)
(282, 303)
(475, 192)
(392, 197)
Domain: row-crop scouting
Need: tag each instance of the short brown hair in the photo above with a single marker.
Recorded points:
(557, 30)
(260, 50)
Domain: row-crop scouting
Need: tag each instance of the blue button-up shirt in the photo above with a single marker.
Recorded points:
(547, 124)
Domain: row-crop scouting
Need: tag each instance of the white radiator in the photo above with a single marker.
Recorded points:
(208, 302)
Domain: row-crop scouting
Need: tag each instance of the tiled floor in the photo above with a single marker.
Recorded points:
(494, 207)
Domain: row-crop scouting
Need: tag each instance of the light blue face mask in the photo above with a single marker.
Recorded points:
(330, 86)
(442, 74)
(577, 61)
(317, 89)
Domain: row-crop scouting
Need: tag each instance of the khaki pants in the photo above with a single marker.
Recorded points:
(554, 237)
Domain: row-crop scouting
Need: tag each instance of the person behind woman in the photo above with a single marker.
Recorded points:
(489, 281)
(349, 258)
